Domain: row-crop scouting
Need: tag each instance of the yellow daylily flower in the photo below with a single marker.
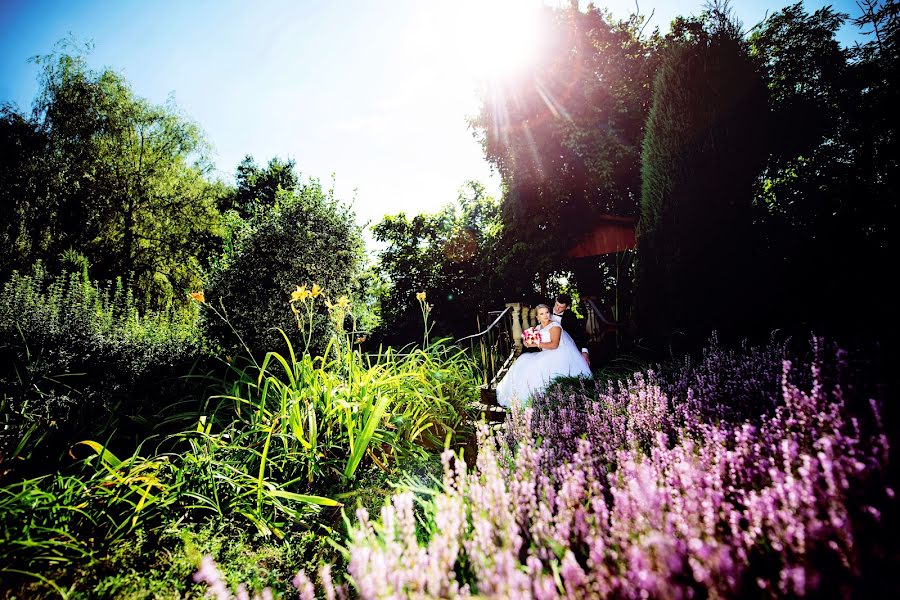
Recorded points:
(316, 290)
(420, 296)
(300, 294)
(199, 297)
(341, 303)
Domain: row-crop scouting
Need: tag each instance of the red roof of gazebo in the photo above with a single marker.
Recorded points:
(611, 234)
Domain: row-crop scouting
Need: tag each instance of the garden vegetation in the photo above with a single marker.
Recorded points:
(206, 386)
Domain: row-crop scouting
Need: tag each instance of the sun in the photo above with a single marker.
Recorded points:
(506, 38)
(491, 39)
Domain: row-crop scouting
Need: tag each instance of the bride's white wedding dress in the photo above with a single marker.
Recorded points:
(533, 371)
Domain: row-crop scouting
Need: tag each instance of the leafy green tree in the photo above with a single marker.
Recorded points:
(22, 157)
(257, 188)
(805, 68)
(830, 186)
(450, 255)
(306, 238)
(703, 151)
(566, 135)
(114, 177)
(258, 191)
(878, 157)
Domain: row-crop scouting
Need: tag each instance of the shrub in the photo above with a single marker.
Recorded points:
(308, 237)
(77, 357)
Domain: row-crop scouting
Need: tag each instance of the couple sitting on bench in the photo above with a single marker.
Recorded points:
(554, 354)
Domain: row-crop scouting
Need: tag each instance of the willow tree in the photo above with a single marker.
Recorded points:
(114, 178)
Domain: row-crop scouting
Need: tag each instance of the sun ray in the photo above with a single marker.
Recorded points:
(557, 109)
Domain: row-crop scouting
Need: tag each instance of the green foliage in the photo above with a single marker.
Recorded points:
(108, 174)
(281, 430)
(77, 356)
(566, 135)
(307, 238)
(306, 421)
(702, 153)
(22, 153)
(162, 566)
(451, 255)
(64, 547)
(257, 187)
(160, 562)
(76, 516)
(829, 192)
(805, 67)
(369, 288)
(56, 519)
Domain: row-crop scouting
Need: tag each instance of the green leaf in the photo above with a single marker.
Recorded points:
(305, 498)
(365, 436)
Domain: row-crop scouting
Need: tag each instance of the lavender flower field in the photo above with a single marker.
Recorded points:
(652, 488)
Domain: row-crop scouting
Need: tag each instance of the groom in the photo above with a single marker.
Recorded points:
(569, 323)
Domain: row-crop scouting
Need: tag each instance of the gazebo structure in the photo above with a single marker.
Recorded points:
(610, 235)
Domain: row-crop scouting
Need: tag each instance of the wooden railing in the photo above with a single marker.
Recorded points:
(598, 326)
(493, 349)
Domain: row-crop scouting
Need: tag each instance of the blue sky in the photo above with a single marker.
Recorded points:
(375, 91)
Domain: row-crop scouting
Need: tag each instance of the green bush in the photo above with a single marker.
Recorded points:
(307, 238)
(78, 359)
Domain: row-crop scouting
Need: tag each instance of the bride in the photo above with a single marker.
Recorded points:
(532, 372)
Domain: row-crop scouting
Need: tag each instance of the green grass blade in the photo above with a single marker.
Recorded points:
(305, 498)
(365, 436)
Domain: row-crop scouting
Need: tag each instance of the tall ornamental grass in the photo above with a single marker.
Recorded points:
(650, 496)
(286, 436)
(311, 422)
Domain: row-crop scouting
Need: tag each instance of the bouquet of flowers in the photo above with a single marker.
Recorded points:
(531, 336)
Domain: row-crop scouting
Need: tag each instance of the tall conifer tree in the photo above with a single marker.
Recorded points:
(702, 153)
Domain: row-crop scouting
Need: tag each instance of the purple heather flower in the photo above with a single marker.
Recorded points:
(210, 575)
(740, 467)
(305, 588)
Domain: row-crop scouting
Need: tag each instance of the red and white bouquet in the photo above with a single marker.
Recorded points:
(531, 336)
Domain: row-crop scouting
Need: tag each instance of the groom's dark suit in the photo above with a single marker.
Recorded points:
(575, 328)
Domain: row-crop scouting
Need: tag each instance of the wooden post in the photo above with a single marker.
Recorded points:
(591, 326)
